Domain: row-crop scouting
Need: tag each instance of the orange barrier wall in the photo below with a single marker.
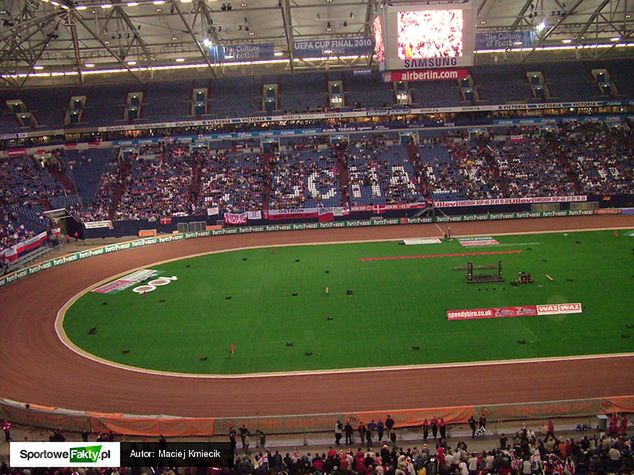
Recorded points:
(147, 233)
(152, 426)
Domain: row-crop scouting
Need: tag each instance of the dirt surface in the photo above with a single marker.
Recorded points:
(36, 367)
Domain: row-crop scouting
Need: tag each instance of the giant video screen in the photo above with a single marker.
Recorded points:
(379, 48)
(430, 34)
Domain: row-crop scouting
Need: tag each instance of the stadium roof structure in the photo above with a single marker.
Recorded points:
(94, 41)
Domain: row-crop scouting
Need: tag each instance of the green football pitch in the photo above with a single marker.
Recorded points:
(396, 314)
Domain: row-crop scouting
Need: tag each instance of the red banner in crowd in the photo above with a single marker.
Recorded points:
(425, 75)
(236, 218)
(14, 252)
(326, 217)
(291, 215)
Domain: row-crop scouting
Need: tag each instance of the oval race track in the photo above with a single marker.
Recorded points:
(36, 367)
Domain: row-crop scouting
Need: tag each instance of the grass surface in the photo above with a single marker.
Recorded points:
(395, 305)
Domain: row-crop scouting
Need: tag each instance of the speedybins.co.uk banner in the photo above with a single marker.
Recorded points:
(64, 454)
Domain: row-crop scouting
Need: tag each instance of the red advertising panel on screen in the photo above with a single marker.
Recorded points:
(425, 75)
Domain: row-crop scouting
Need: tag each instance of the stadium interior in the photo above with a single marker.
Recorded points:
(175, 119)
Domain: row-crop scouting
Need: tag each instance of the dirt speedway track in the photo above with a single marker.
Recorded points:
(37, 367)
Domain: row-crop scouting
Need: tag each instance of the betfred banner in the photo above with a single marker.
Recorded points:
(64, 454)
(236, 218)
(425, 75)
(511, 312)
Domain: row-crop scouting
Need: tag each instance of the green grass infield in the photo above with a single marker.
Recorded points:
(272, 306)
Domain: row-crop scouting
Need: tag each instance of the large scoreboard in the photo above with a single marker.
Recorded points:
(429, 35)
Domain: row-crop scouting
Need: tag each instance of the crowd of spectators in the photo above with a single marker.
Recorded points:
(158, 186)
(304, 177)
(160, 180)
(601, 158)
(233, 182)
(115, 176)
(11, 230)
(373, 449)
(26, 187)
(380, 173)
(523, 453)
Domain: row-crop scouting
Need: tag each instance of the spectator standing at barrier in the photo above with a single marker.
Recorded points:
(623, 430)
(348, 431)
(361, 430)
(262, 438)
(443, 428)
(483, 422)
(613, 425)
(232, 440)
(372, 428)
(6, 428)
(244, 432)
(472, 424)
(389, 424)
(338, 432)
(425, 429)
(551, 428)
(434, 427)
(380, 430)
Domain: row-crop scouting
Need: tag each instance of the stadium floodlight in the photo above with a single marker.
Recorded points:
(89, 65)
(38, 68)
(158, 2)
(541, 26)
(180, 60)
(81, 7)
(566, 41)
(207, 42)
(106, 5)
(131, 63)
(278, 53)
(615, 39)
(132, 4)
